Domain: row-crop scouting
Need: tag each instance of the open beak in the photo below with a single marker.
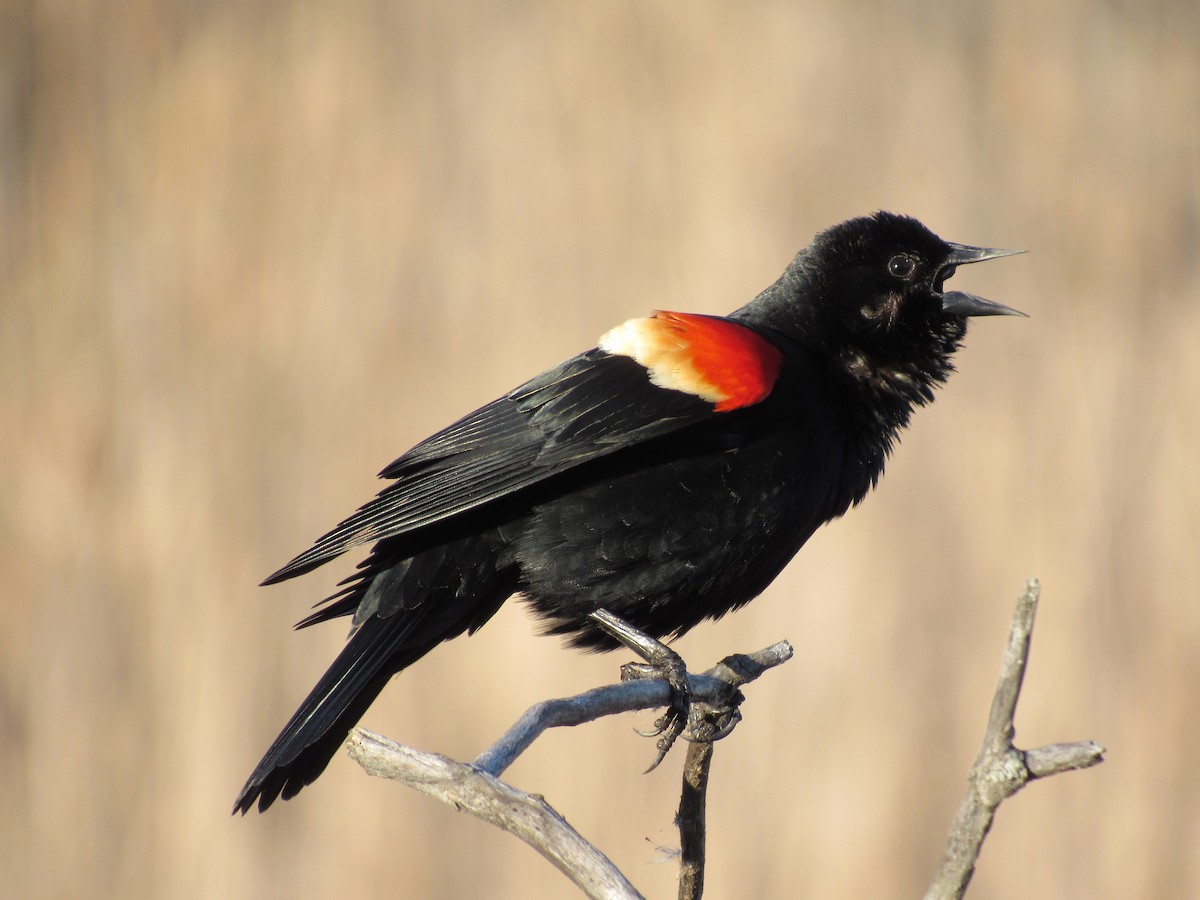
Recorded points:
(960, 303)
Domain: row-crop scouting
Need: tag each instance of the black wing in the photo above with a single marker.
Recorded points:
(588, 407)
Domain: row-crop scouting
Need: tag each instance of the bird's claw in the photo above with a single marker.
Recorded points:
(660, 662)
(676, 719)
(711, 723)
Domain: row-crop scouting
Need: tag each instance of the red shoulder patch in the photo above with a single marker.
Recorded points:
(716, 359)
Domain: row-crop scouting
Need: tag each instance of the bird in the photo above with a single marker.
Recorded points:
(665, 476)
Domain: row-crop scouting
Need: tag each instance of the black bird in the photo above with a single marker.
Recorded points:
(666, 476)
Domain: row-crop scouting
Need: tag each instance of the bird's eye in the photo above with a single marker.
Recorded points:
(902, 266)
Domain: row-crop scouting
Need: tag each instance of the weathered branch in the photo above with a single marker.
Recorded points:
(1001, 769)
(715, 687)
(477, 789)
(691, 819)
(528, 816)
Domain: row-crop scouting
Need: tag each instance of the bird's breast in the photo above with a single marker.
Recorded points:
(700, 534)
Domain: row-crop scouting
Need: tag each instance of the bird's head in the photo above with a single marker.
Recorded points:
(871, 293)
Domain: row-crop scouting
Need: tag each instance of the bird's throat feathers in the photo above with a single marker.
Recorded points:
(897, 386)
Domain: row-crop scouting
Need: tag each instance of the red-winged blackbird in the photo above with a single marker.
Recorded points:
(666, 476)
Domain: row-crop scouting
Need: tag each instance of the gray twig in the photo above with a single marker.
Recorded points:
(1001, 769)
(477, 789)
(714, 687)
(691, 819)
(528, 816)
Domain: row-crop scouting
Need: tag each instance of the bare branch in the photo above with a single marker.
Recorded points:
(478, 790)
(1055, 758)
(691, 819)
(1001, 769)
(714, 687)
(527, 816)
(708, 724)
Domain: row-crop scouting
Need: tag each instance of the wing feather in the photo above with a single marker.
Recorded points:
(588, 407)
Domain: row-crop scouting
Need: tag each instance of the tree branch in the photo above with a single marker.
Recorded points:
(477, 789)
(715, 687)
(1001, 769)
(486, 797)
(691, 819)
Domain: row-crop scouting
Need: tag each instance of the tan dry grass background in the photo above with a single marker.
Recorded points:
(251, 252)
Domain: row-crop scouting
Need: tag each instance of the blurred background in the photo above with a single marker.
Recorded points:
(249, 253)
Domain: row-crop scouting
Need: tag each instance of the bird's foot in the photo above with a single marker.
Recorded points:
(660, 662)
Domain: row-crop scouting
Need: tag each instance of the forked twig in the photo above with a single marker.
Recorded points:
(1001, 769)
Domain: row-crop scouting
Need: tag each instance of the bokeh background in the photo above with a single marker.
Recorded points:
(249, 253)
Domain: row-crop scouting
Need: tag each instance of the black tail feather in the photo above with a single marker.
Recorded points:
(409, 605)
(313, 735)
